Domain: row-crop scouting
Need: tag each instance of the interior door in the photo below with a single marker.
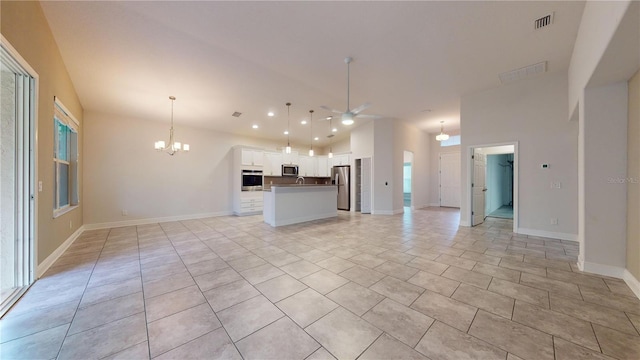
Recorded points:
(450, 179)
(478, 187)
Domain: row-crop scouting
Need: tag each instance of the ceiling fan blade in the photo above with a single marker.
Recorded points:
(330, 109)
(361, 108)
(365, 116)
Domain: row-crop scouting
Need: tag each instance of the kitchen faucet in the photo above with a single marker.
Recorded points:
(300, 178)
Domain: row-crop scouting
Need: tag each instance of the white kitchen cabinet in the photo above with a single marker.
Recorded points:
(272, 164)
(343, 159)
(252, 157)
(291, 158)
(322, 168)
(306, 165)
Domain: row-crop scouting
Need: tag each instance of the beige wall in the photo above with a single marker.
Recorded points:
(633, 173)
(23, 24)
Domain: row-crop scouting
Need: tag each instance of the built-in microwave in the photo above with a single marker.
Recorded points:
(251, 180)
(289, 170)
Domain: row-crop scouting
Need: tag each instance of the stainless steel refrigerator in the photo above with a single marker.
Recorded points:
(340, 177)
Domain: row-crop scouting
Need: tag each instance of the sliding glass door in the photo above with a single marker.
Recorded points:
(17, 177)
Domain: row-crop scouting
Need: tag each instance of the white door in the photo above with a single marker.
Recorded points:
(478, 187)
(365, 188)
(450, 179)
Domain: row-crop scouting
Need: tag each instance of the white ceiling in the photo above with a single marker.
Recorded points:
(126, 58)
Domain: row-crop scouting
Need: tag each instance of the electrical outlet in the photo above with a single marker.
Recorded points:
(556, 185)
(70, 224)
(39, 186)
(125, 212)
(554, 221)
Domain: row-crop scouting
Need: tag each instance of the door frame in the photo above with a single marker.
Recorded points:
(516, 182)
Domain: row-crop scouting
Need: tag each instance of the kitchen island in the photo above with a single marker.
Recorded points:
(293, 204)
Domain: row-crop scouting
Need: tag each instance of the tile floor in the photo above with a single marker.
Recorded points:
(411, 286)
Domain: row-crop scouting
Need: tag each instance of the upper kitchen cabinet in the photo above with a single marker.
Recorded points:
(291, 158)
(322, 169)
(337, 160)
(306, 165)
(252, 157)
(272, 164)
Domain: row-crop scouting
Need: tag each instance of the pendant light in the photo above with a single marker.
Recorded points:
(311, 131)
(173, 146)
(442, 136)
(330, 156)
(288, 148)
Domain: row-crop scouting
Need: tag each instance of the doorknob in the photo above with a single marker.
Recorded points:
(485, 189)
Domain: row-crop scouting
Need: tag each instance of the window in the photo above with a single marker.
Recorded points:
(65, 160)
(451, 141)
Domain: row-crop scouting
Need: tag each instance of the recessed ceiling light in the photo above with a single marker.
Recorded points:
(303, 122)
(315, 138)
(334, 129)
(255, 126)
(270, 113)
(286, 132)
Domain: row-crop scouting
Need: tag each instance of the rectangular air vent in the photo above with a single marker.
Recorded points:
(518, 74)
(543, 21)
(236, 114)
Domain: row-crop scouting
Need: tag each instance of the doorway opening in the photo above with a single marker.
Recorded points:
(406, 179)
(493, 182)
(499, 194)
(17, 176)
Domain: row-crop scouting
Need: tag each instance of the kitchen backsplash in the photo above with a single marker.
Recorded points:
(270, 180)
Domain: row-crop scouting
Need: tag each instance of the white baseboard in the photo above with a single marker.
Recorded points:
(548, 234)
(633, 283)
(434, 204)
(601, 269)
(465, 223)
(114, 224)
(46, 264)
(398, 211)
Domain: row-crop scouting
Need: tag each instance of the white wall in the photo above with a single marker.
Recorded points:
(386, 173)
(124, 172)
(600, 21)
(532, 112)
(605, 170)
(434, 165)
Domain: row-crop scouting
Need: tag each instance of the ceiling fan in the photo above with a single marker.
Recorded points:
(349, 115)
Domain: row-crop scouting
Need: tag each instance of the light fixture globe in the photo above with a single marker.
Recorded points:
(442, 136)
(347, 119)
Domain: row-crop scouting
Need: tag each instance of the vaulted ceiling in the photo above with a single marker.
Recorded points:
(412, 60)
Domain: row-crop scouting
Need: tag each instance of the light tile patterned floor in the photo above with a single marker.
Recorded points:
(410, 286)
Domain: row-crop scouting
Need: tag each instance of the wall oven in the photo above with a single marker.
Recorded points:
(251, 180)
(289, 170)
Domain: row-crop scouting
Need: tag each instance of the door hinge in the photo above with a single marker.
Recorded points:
(473, 157)
(471, 184)
(472, 213)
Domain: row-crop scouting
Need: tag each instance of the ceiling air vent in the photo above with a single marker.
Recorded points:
(543, 21)
(236, 114)
(519, 74)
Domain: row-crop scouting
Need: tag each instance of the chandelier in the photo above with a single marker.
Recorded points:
(173, 146)
(442, 136)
